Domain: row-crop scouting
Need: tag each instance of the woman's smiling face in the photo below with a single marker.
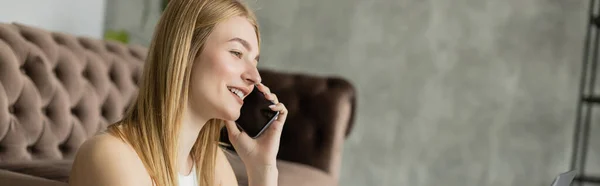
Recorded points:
(225, 71)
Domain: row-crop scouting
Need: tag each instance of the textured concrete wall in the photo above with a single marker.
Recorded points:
(454, 93)
(462, 92)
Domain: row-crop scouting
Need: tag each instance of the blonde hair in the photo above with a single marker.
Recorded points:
(152, 123)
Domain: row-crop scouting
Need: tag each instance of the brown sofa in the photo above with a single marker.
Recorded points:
(57, 90)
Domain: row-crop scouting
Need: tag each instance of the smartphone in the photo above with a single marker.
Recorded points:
(255, 115)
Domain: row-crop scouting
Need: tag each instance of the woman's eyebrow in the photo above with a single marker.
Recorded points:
(243, 42)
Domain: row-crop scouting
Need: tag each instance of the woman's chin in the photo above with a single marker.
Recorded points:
(231, 116)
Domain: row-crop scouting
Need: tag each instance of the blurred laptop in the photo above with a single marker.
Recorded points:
(564, 179)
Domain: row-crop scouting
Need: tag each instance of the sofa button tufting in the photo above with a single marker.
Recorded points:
(112, 76)
(59, 40)
(74, 111)
(55, 71)
(104, 113)
(63, 148)
(31, 149)
(86, 73)
(135, 80)
(11, 109)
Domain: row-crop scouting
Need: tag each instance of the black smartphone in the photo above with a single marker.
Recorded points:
(255, 115)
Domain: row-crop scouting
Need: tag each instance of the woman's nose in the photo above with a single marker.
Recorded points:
(251, 76)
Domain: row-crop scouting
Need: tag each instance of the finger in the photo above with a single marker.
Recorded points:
(276, 127)
(273, 98)
(283, 112)
(267, 93)
(264, 89)
(232, 129)
(237, 138)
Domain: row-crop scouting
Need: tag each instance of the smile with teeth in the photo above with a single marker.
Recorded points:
(237, 92)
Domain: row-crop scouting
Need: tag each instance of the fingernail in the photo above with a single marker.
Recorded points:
(272, 106)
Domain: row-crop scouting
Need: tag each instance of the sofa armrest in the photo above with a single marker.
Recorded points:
(18, 179)
(339, 131)
(321, 116)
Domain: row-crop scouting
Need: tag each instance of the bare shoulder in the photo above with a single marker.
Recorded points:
(106, 160)
(224, 171)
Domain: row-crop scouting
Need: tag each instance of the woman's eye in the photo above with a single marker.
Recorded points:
(237, 54)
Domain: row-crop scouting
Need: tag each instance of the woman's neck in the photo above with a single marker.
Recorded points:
(190, 129)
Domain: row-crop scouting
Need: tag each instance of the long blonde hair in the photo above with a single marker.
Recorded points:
(152, 123)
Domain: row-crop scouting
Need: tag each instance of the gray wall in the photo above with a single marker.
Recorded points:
(456, 93)
(83, 18)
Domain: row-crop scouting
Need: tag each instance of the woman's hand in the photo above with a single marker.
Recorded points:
(259, 155)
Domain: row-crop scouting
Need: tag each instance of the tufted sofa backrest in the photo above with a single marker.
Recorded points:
(56, 90)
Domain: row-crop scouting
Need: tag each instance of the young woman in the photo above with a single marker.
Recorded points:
(200, 65)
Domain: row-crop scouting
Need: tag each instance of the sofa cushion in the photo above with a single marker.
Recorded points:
(57, 170)
(18, 179)
(290, 173)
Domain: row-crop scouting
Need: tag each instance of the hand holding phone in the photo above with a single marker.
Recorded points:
(258, 145)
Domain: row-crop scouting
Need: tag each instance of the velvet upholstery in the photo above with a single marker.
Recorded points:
(57, 90)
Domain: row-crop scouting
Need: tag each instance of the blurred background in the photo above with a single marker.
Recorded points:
(455, 93)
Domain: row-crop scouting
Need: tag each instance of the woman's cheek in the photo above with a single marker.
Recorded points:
(229, 65)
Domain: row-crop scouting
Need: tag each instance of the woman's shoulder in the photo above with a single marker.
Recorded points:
(107, 160)
(105, 144)
(224, 170)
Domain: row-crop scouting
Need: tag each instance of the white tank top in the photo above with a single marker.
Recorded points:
(189, 180)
